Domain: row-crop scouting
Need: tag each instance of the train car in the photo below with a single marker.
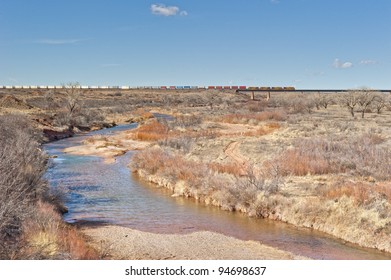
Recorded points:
(264, 88)
(194, 87)
(179, 87)
(187, 87)
(227, 87)
(219, 87)
(172, 87)
(163, 87)
(242, 87)
(211, 87)
(289, 88)
(235, 87)
(253, 88)
(277, 88)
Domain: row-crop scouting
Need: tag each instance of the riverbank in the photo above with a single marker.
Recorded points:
(129, 244)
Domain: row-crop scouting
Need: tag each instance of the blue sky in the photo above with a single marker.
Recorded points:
(302, 43)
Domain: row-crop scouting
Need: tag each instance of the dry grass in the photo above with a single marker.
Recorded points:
(219, 185)
(96, 138)
(46, 236)
(315, 156)
(276, 115)
(267, 129)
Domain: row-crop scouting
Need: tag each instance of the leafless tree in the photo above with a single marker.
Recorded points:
(379, 102)
(349, 100)
(73, 93)
(365, 99)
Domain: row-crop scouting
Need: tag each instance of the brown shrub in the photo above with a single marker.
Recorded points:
(230, 168)
(22, 164)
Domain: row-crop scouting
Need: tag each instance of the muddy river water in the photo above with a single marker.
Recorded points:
(97, 192)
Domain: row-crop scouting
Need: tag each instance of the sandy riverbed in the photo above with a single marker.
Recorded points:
(126, 243)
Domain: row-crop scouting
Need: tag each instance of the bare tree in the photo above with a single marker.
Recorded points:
(73, 92)
(379, 102)
(349, 100)
(51, 102)
(71, 104)
(321, 100)
(365, 99)
(325, 100)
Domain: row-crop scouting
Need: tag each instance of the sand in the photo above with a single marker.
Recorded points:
(126, 243)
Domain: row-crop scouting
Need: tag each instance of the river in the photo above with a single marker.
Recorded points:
(96, 192)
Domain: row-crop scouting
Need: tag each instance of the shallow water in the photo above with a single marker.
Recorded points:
(109, 193)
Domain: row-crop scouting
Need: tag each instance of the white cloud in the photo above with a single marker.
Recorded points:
(342, 65)
(58, 41)
(368, 62)
(163, 10)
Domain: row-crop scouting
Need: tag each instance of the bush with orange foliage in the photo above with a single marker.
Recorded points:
(142, 113)
(361, 193)
(153, 130)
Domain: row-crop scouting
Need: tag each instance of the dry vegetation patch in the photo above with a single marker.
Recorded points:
(286, 145)
(30, 224)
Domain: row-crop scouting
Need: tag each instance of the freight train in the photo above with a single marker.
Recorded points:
(237, 88)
